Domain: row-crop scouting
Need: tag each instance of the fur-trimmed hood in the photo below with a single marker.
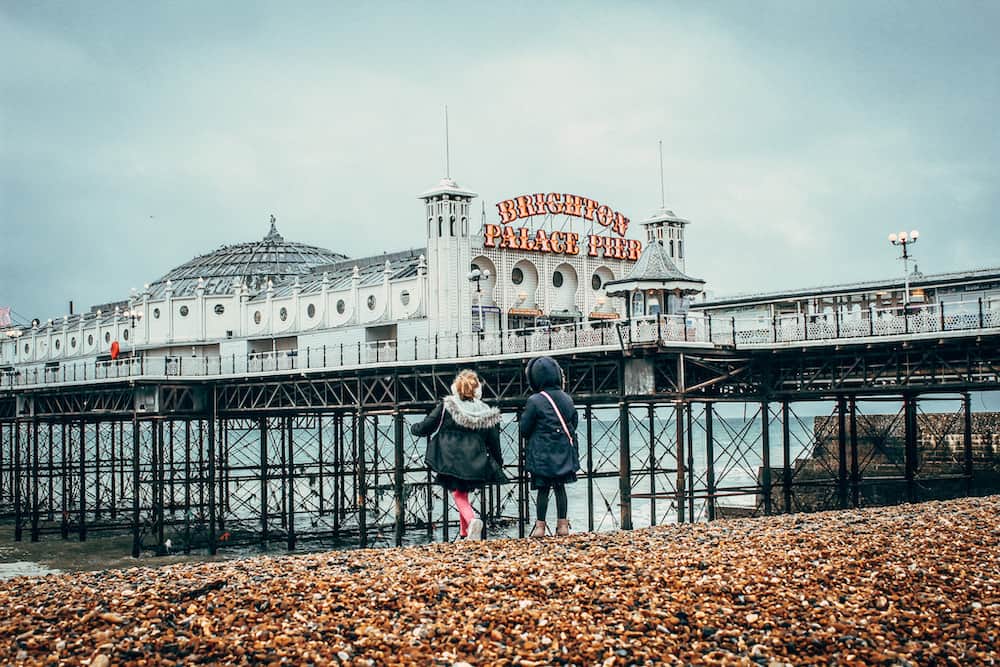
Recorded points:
(472, 414)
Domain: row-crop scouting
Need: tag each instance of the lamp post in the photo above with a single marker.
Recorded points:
(904, 240)
(476, 276)
(135, 316)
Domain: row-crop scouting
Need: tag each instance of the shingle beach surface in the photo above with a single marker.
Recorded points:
(912, 584)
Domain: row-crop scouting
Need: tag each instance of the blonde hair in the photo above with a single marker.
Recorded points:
(466, 384)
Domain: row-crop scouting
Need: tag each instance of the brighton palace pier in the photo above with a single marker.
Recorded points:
(262, 392)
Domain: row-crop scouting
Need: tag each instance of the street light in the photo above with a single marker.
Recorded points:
(475, 276)
(901, 239)
(134, 315)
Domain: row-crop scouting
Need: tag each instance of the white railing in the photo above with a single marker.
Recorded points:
(694, 328)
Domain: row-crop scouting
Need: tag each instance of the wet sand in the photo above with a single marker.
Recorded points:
(907, 585)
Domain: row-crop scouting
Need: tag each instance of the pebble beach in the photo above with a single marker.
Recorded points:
(904, 585)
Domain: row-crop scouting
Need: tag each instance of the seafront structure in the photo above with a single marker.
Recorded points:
(262, 391)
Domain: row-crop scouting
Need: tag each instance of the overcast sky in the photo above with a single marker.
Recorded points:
(797, 135)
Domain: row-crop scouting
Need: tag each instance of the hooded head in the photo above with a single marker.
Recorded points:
(543, 373)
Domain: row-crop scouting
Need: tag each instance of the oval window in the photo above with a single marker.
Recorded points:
(156, 313)
(404, 297)
(107, 336)
(72, 342)
(90, 339)
(517, 276)
(184, 311)
(27, 348)
(256, 317)
(283, 314)
(57, 344)
(341, 306)
(311, 311)
(557, 279)
(125, 334)
(219, 309)
(596, 281)
(371, 302)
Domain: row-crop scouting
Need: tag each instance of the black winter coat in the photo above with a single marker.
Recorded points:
(548, 452)
(465, 447)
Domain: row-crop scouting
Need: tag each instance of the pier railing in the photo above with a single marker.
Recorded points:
(695, 329)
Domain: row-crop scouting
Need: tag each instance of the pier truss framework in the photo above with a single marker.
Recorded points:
(666, 435)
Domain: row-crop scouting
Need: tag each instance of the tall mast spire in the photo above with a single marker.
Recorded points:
(447, 151)
(663, 196)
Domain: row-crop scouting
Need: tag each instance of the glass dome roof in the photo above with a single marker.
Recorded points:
(252, 263)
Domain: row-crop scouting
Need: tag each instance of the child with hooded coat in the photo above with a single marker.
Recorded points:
(548, 426)
(464, 447)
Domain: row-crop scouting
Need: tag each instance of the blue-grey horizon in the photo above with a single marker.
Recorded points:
(796, 135)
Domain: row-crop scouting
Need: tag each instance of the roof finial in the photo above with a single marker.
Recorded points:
(663, 196)
(447, 150)
(273, 235)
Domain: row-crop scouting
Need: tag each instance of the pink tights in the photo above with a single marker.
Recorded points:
(465, 512)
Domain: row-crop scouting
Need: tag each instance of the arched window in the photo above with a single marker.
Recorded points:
(440, 226)
(671, 247)
(452, 225)
(680, 249)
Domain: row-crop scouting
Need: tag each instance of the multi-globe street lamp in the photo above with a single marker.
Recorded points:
(905, 240)
(476, 276)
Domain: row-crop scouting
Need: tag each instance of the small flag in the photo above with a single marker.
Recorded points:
(5, 316)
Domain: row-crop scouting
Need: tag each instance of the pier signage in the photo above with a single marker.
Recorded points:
(505, 236)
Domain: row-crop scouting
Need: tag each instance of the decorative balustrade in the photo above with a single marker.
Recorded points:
(694, 328)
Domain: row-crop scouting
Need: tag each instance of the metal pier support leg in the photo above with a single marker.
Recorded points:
(64, 485)
(967, 443)
(83, 481)
(855, 463)
(710, 461)
(50, 504)
(624, 467)
(398, 422)
(35, 470)
(320, 454)
(681, 474)
(362, 498)
(160, 492)
(338, 472)
(842, 452)
(18, 529)
(765, 437)
(522, 486)
(283, 461)
(114, 467)
(187, 486)
(589, 415)
(689, 410)
(213, 416)
(263, 481)
(650, 419)
(786, 458)
(136, 536)
(910, 452)
(291, 482)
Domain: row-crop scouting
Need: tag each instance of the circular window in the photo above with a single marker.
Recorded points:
(219, 309)
(125, 334)
(557, 279)
(156, 313)
(184, 311)
(404, 297)
(283, 314)
(72, 342)
(517, 276)
(57, 344)
(256, 317)
(90, 339)
(107, 336)
(596, 281)
(371, 302)
(311, 311)
(341, 306)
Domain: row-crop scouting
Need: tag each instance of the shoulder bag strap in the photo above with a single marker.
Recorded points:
(440, 421)
(559, 414)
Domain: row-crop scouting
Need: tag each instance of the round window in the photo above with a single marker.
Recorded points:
(404, 297)
(219, 309)
(596, 281)
(371, 302)
(107, 336)
(311, 311)
(517, 276)
(57, 344)
(256, 317)
(156, 313)
(72, 342)
(283, 314)
(341, 306)
(557, 279)
(184, 311)
(90, 339)
(125, 334)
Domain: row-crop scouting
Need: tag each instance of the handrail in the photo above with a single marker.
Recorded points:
(694, 328)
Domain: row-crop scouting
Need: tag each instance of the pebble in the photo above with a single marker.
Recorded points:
(906, 585)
